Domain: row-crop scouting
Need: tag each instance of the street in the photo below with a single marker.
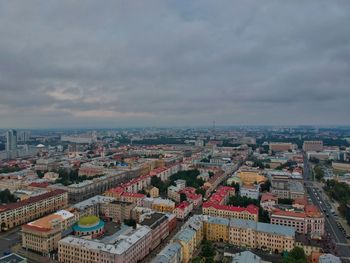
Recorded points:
(9, 239)
(317, 197)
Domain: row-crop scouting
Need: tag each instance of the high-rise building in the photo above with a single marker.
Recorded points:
(11, 144)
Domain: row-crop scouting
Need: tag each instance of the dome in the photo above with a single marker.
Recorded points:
(40, 146)
(88, 221)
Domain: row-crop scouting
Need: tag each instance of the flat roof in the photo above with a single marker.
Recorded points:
(12, 258)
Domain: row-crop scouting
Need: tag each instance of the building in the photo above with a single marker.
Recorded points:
(192, 196)
(128, 245)
(89, 227)
(152, 191)
(42, 235)
(250, 191)
(13, 258)
(158, 223)
(15, 214)
(281, 146)
(313, 146)
(341, 166)
(329, 258)
(251, 212)
(172, 253)
(268, 201)
(251, 234)
(183, 210)
(190, 237)
(116, 211)
(163, 205)
(11, 144)
(245, 257)
(305, 220)
(250, 177)
(290, 189)
(94, 206)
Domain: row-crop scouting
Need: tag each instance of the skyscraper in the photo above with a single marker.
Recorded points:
(11, 144)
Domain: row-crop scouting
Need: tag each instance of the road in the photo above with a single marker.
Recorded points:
(9, 239)
(317, 196)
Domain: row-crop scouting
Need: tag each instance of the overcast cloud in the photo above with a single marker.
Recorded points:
(160, 63)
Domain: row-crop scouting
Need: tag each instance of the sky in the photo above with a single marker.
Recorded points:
(70, 64)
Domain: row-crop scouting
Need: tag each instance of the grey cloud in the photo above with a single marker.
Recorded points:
(173, 62)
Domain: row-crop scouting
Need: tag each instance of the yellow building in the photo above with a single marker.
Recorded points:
(250, 177)
(190, 237)
(152, 191)
(163, 205)
(247, 233)
(249, 213)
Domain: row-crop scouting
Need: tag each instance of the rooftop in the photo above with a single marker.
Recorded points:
(31, 200)
(12, 258)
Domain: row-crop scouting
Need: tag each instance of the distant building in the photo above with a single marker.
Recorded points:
(316, 146)
(281, 146)
(11, 144)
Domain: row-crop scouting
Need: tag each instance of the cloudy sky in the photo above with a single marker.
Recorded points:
(163, 63)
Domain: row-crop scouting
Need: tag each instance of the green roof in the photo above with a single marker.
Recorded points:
(88, 220)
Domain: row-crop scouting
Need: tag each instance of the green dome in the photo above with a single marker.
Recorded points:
(88, 220)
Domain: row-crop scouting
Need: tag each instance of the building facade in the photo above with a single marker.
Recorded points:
(15, 214)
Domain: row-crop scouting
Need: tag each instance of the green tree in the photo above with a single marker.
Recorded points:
(296, 255)
(200, 191)
(183, 197)
(285, 201)
(130, 222)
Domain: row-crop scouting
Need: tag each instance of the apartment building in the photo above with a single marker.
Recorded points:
(163, 205)
(158, 223)
(308, 220)
(15, 214)
(251, 212)
(116, 211)
(249, 233)
(131, 245)
(281, 146)
(42, 235)
(313, 146)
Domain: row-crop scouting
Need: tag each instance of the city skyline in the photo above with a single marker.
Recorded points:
(171, 64)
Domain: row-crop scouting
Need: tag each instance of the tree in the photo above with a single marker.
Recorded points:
(200, 191)
(130, 222)
(297, 255)
(242, 201)
(183, 197)
(208, 250)
(285, 201)
(319, 173)
(265, 187)
(236, 186)
(263, 216)
(6, 197)
(40, 174)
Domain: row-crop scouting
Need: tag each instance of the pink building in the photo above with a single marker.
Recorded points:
(183, 209)
(158, 222)
(307, 221)
(191, 195)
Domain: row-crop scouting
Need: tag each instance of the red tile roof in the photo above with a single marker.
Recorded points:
(251, 209)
